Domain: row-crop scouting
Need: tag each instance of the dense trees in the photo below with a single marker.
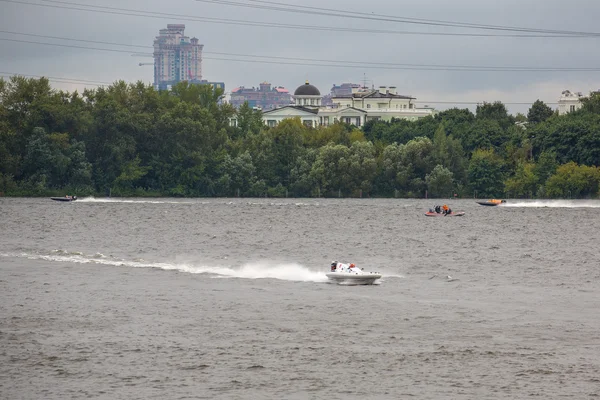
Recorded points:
(129, 139)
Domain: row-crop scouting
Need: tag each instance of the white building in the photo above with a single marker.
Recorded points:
(357, 108)
(307, 102)
(308, 116)
(569, 102)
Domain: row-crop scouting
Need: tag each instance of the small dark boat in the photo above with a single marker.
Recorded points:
(451, 214)
(492, 202)
(66, 198)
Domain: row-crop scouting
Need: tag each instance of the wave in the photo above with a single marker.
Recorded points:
(253, 270)
(555, 204)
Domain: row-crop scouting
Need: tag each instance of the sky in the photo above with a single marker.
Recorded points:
(364, 33)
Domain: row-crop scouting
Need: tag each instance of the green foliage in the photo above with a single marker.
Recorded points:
(572, 137)
(486, 174)
(546, 166)
(132, 140)
(572, 180)
(539, 112)
(495, 112)
(523, 183)
(591, 104)
(131, 173)
(440, 182)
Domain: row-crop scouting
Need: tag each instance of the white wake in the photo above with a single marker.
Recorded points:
(92, 199)
(554, 204)
(252, 270)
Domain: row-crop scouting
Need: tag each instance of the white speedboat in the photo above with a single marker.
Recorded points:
(351, 275)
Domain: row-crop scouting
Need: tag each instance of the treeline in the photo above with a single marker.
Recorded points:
(131, 140)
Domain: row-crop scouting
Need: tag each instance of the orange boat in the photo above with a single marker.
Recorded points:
(491, 202)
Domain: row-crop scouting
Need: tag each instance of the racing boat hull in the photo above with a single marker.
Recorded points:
(452, 214)
(491, 203)
(349, 278)
(63, 198)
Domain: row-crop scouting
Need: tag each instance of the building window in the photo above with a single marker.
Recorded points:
(326, 120)
(572, 107)
(308, 123)
(358, 121)
(368, 106)
(271, 123)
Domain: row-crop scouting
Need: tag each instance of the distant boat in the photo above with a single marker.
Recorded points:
(66, 198)
(491, 202)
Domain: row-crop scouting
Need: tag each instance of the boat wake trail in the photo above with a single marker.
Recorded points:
(252, 270)
(555, 204)
(92, 199)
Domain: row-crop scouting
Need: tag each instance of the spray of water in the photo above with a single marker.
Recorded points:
(253, 270)
(92, 199)
(554, 204)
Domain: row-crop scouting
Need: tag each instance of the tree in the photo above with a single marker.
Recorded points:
(131, 173)
(236, 175)
(572, 180)
(449, 153)
(591, 104)
(362, 166)
(523, 183)
(486, 174)
(539, 112)
(331, 170)
(440, 182)
(545, 166)
(496, 112)
(249, 121)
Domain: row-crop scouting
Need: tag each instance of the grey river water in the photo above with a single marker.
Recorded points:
(228, 299)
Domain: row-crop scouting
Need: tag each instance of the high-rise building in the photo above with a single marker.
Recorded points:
(176, 57)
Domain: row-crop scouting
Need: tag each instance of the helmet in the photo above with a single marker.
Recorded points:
(352, 265)
(334, 263)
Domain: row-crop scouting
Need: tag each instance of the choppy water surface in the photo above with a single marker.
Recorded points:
(228, 299)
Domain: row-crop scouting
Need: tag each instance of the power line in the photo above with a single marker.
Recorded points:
(221, 21)
(75, 40)
(58, 79)
(311, 62)
(400, 19)
(283, 58)
(289, 8)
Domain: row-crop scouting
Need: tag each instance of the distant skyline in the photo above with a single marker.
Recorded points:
(290, 55)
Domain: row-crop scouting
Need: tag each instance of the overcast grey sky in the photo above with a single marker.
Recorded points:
(361, 47)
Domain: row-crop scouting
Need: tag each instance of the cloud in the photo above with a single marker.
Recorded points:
(579, 15)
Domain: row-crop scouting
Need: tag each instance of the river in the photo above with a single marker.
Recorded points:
(228, 299)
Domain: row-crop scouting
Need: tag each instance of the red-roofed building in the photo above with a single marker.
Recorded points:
(264, 97)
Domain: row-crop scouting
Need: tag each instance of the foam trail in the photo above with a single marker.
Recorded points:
(554, 204)
(92, 199)
(256, 270)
